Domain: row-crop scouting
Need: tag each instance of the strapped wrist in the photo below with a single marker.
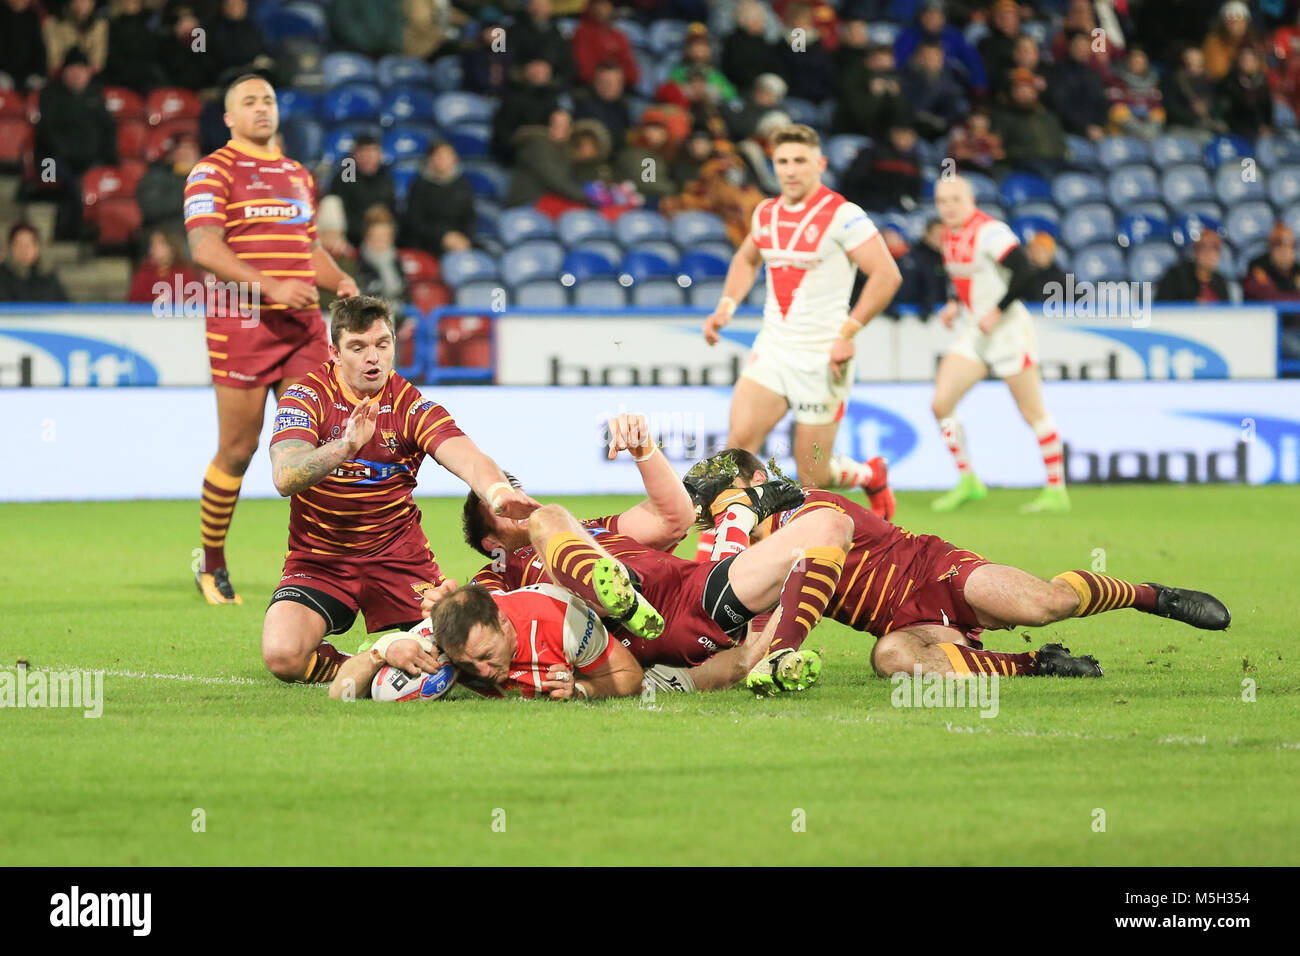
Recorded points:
(647, 456)
(495, 491)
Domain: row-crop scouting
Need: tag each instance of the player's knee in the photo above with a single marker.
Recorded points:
(237, 453)
(283, 658)
(1059, 601)
(892, 655)
(546, 521)
(835, 529)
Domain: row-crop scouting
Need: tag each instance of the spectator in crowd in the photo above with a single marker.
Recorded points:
(597, 40)
(645, 161)
(1041, 252)
(537, 94)
(1031, 134)
(755, 151)
(132, 49)
(931, 90)
(997, 48)
(700, 100)
(855, 43)
(485, 62)
(362, 183)
(591, 149)
(606, 102)
(1226, 39)
(695, 152)
(808, 63)
(426, 24)
(331, 230)
(161, 190)
(234, 40)
(379, 269)
(1284, 73)
(1103, 46)
(747, 51)
(766, 95)
(1191, 102)
(372, 27)
(1136, 104)
(720, 188)
(535, 36)
(1076, 91)
(182, 64)
(1247, 101)
(440, 214)
(1196, 279)
(77, 132)
(887, 174)
(697, 56)
(932, 24)
(925, 280)
(22, 44)
(545, 164)
(1274, 276)
(21, 276)
(165, 265)
(871, 98)
(974, 145)
(78, 28)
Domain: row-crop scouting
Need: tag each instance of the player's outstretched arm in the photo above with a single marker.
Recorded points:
(208, 249)
(664, 518)
(352, 682)
(297, 465)
(740, 279)
(618, 675)
(728, 668)
(462, 458)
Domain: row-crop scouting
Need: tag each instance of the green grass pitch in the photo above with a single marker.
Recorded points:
(1185, 770)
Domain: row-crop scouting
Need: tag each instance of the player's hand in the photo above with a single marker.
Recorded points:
(432, 596)
(294, 293)
(411, 657)
(361, 426)
(948, 314)
(629, 433)
(559, 682)
(717, 320)
(347, 288)
(841, 352)
(514, 504)
(989, 320)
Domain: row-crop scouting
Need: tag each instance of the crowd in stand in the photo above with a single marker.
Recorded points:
(991, 87)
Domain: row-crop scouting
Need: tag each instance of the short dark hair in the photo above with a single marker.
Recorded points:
(746, 462)
(244, 78)
(363, 140)
(455, 616)
(357, 313)
(474, 524)
(23, 226)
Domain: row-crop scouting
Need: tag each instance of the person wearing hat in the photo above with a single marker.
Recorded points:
(1274, 275)
(1040, 250)
(1230, 33)
(1032, 135)
(697, 57)
(645, 161)
(1196, 279)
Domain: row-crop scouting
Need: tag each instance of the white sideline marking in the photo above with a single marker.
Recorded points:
(197, 678)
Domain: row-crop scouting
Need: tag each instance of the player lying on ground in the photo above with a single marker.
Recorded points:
(348, 441)
(927, 601)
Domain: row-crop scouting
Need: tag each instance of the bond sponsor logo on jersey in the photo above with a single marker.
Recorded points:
(200, 204)
(369, 472)
(286, 418)
(288, 211)
(301, 392)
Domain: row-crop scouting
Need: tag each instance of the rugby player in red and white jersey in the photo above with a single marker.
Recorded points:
(250, 220)
(812, 241)
(989, 272)
(348, 441)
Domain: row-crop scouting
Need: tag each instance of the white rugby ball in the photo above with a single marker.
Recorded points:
(393, 683)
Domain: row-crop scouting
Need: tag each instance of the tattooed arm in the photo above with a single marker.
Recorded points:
(297, 465)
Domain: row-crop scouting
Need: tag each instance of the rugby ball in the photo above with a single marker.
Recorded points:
(393, 683)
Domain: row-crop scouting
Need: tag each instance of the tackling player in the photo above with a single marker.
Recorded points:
(250, 221)
(990, 274)
(812, 240)
(349, 438)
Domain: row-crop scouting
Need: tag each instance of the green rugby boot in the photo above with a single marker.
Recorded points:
(969, 488)
(625, 604)
(788, 670)
(1051, 500)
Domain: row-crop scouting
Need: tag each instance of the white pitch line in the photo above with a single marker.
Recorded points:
(196, 678)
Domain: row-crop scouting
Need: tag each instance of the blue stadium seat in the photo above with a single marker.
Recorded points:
(398, 70)
(1274, 151)
(986, 190)
(407, 141)
(703, 265)
(1136, 229)
(1228, 262)
(722, 249)
(343, 67)
(488, 214)
(1291, 216)
(304, 139)
(639, 266)
(1022, 187)
(1037, 209)
(582, 264)
(541, 294)
(638, 225)
(1183, 184)
(403, 176)
(340, 140)
(1101, 262)
(1284, 117)
(1228, 150)
(800, 111)
(406, 104)
(666, 36)
(1116, 151)
(1284, 186)
(295, 104)
(578, 225)
(600, 293)
(1071, 189)
(606, 248)
(1188, 227)
(658, 293)
(1155, 208)
(523, 223)
(882, 32)
(447, 74)
(1147, 263)
(994, 209)
(661, 248)
(471, 140)
(757, 297)
(1130, 184)
(1249, 253)
(535, 259)
(1230, 187)
(469, 265)
(705, 293)
(841, 150)
(1174, 149)
(1082, 152)
(452, 109)
(479, 294)
(1248, 222)
(293, 23)
(636, 34)
(689, 228)
(351, 102)
(1026, 227)
(488, 179)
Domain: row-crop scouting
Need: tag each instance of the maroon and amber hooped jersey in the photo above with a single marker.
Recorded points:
(366, 504)
(264, 202)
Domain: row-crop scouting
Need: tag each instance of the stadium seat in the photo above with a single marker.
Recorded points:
(131, 137)
(1187, 183)
(578, 225)
(119, 220)
(418, 265)
(1026, 227)
(427, 296)
(523, 223)
(541, 294)
(582, 264)
(636, 34)
(468, 266)
(639, 265)
(1248, 254)
(13, 104)
(1228, 262)
(410, 140)
(488, 179)
(666, 36)
(607, 249)
(453, 108)
(841, 150)
(1116, 151)
(297, 104)
(341, 140)
(662, 248)
(404, 174)
(398, 70)
(304, 139)
(1284, 116)
(1231, 187)
(1100, 262)
(724, 250)
(690, 228)
(600, 293)
(171, 103)
(1147, 263)
(658, 293)
(471, 140)
(16, 140)
(1274, 151)
(300, 60)
(1174, 149)
(535, 259)
(705, 293)
(406, 104)
(986, 190)
(299, 21)
(447, 74)
(1082, 152)
(1229, 150)
(1291, 216)
(344, 67)
(1129, 184)
(159, 139)
(1248, 222)
(101, 183)
(1188, 227)
(703, 265)
(1284, 186)
(1071, 189)
(638, 225)
(122, 103)
(1137, 228)
(801, 111)
(351, 102)
(1035, 208)
(1022, 187)
(479, 293)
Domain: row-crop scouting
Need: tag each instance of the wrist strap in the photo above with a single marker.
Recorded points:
(495, 490)
(728, 303)
(382, 644)
(648, 455)
(850, 328)
(577, 685)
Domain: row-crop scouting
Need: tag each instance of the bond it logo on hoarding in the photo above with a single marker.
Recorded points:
(1281, 436)
(874, 430)
(80, 360)
(1167, 356)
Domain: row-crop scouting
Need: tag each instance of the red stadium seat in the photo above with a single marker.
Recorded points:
(132, 171)
(160, 138)
(119, 220)
(171, 103)
(16, 140)
(418, 265)
(132, 135)
(102, 183)
(34, 107)
(427, 295)
(465, 342)
(12, 104)
(123, 103)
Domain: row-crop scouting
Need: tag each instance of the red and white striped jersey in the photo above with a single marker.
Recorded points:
(552, 626)
(973, 254)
